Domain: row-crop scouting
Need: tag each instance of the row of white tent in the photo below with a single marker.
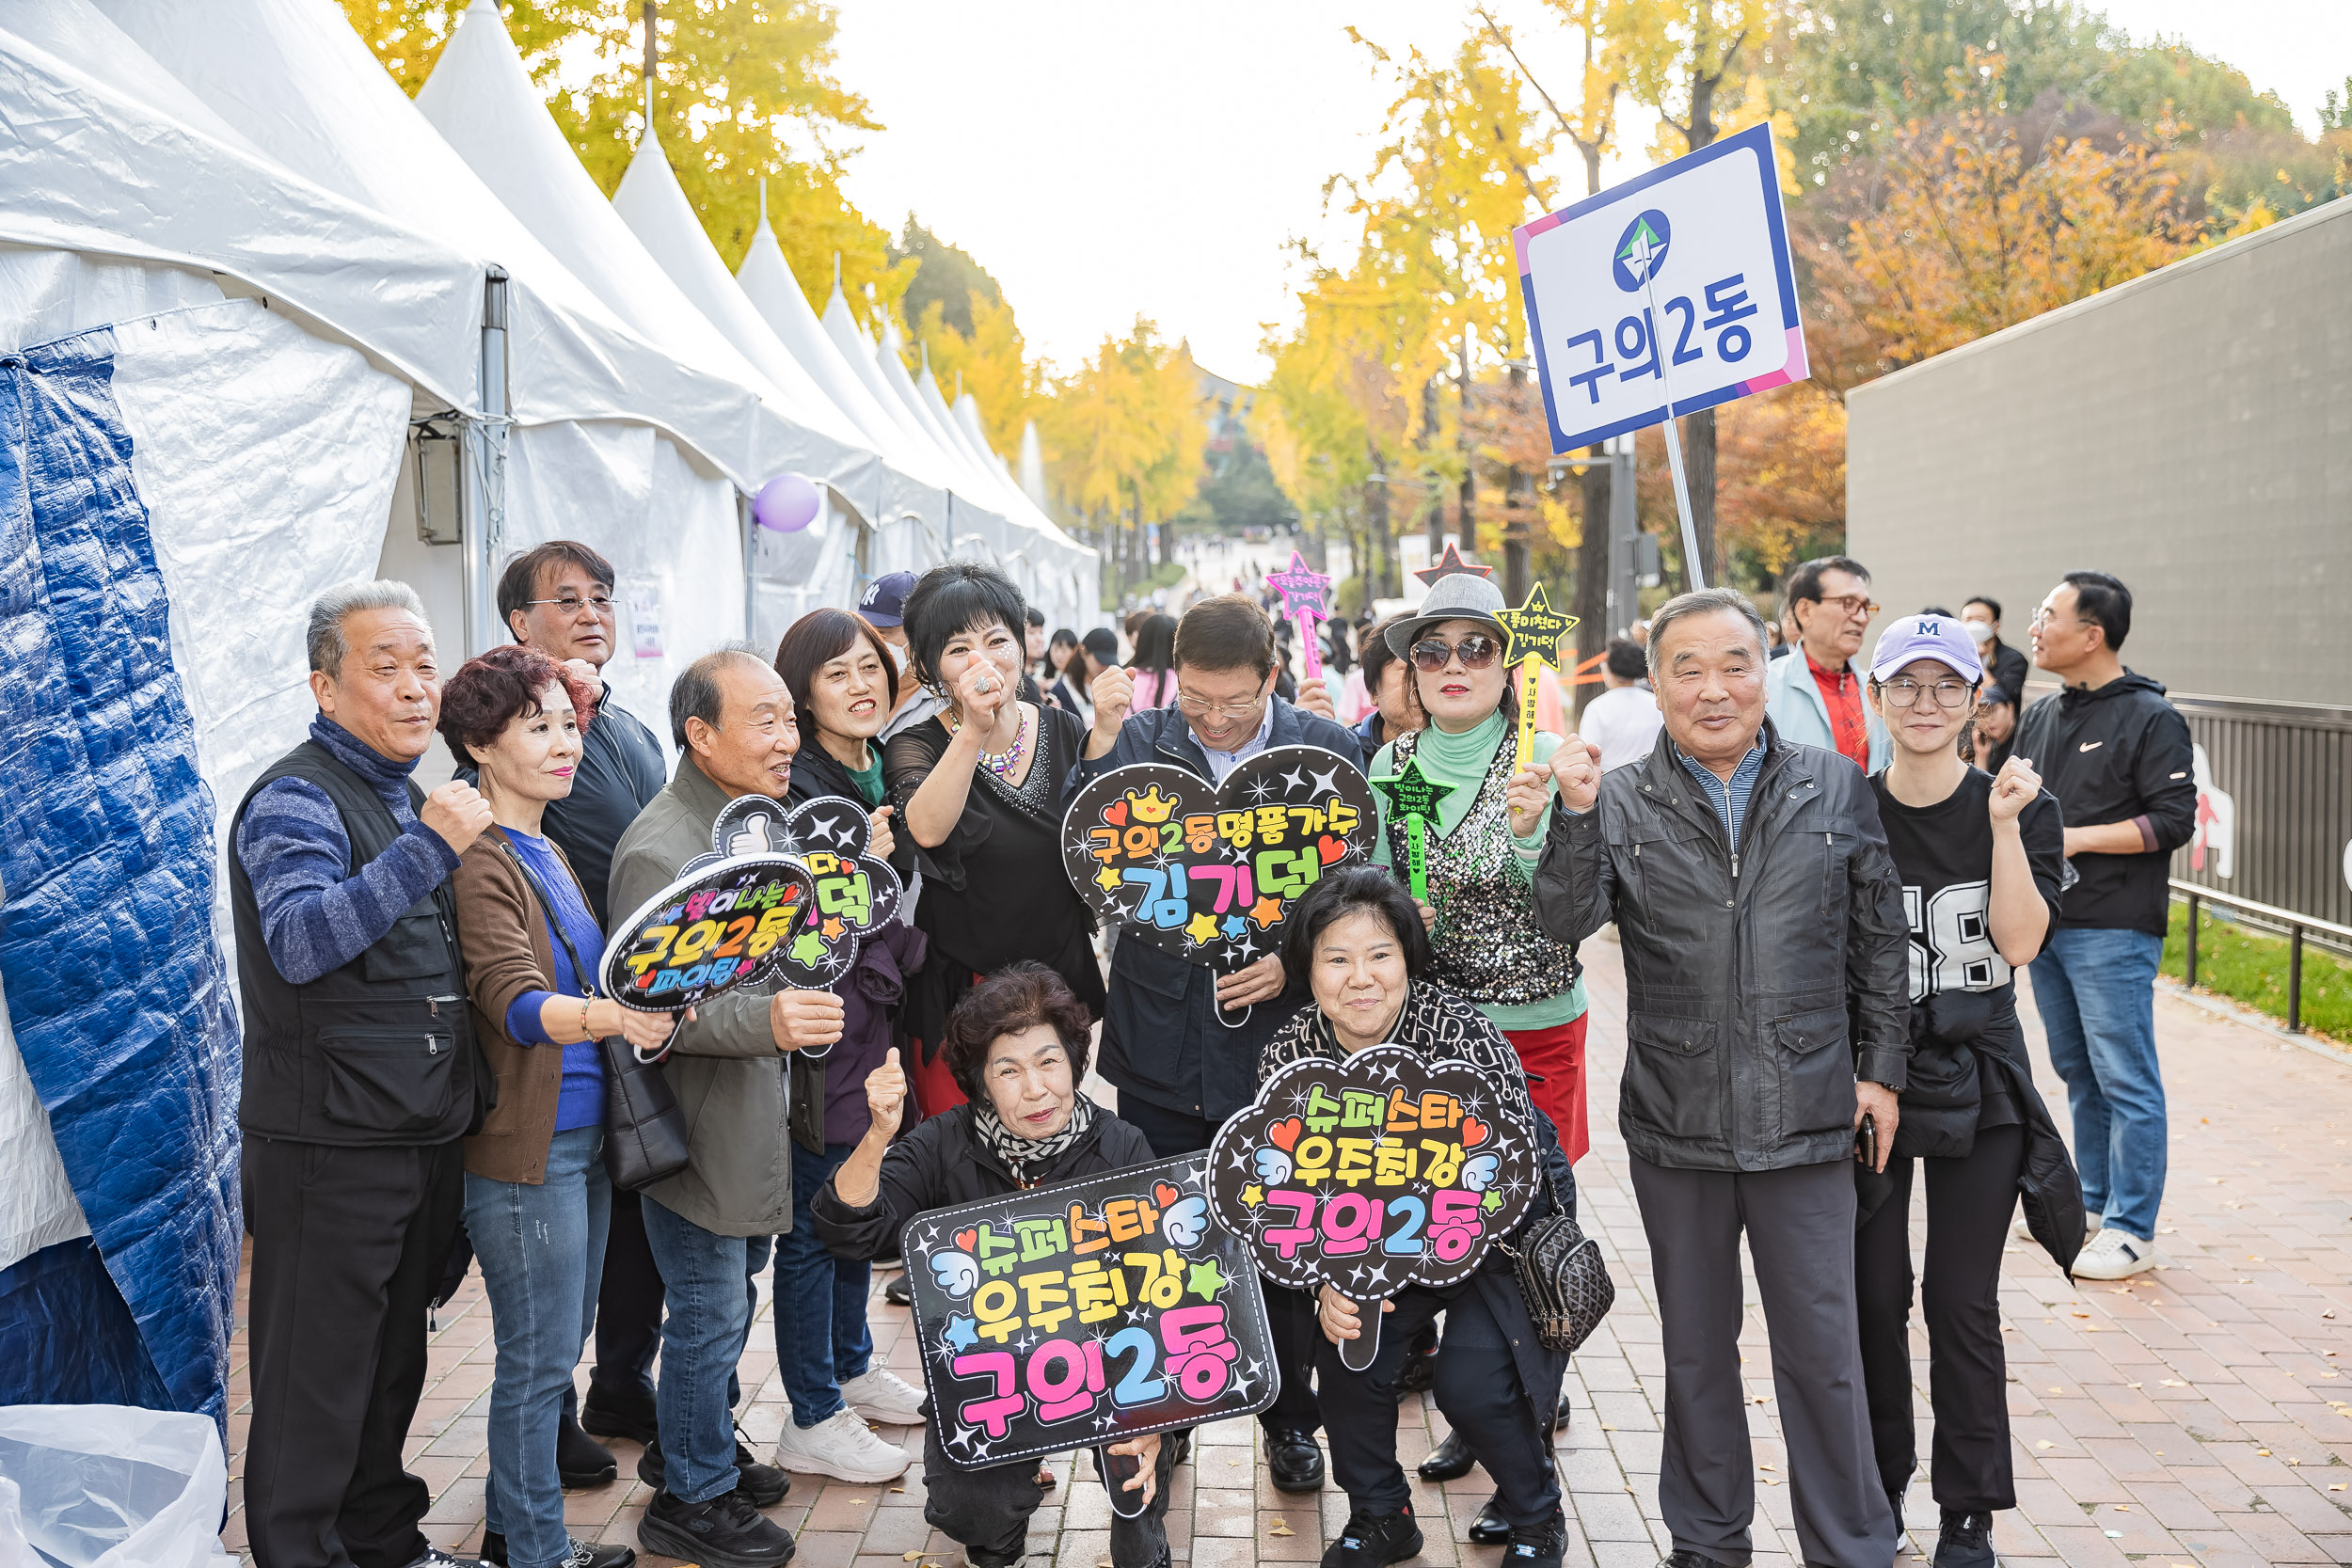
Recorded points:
(339, 322)
(618, 385)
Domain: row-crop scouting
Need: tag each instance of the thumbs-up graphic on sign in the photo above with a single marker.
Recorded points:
(753, 839)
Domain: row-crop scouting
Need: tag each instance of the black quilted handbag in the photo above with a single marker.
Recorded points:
(1562, 1276)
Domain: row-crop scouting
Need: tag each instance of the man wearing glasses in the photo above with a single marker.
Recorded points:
(1814, 695)
(557, 597)
(1182, 1044)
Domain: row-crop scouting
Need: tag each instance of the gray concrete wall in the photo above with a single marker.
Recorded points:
(2189, 431)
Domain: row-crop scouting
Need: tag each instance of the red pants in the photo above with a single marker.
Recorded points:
(1554, 1060)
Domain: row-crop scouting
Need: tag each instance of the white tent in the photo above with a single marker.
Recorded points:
(615, 439)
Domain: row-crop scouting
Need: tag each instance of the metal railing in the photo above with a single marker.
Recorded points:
(2275, 809)
(2197, 892)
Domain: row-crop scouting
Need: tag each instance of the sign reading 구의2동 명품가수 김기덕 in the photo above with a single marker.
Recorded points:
(1676, 284)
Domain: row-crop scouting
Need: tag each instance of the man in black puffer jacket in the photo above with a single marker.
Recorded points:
(1762, 926)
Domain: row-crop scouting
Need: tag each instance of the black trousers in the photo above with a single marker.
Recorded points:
(347, 1246)
(628, 1311)
(1290, 1314)
(1478, 1388)
(988, 1510)
(1969, 1205)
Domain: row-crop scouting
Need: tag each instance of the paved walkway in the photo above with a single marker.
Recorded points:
(2200, 1414)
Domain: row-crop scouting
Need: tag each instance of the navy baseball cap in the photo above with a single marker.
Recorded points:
(885, 598)
(1936, 637)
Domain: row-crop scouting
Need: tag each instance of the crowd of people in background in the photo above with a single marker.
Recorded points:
(1823, 872)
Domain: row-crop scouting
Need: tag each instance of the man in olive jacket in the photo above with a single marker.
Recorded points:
(1762, 926)
(711, 1224)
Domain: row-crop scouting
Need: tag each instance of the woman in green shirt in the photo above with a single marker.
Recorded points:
(1480, 854)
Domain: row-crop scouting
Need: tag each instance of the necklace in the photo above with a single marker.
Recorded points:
(999, 763)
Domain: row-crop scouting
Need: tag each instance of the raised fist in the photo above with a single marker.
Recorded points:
(458, 812)
(1576, 768)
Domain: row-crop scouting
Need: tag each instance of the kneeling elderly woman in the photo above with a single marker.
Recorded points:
(1017, 1045)
(1359, 940)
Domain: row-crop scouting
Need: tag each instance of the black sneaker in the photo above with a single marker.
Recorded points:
(763, 1484)
(899, 1293)
(725, 1532)
(435, 1557)
(630, 1415)
(1689, 1560)
(586, 1554)
(1966, 1540)
(1539, 1545)
(580, 1461)
(1375, 1539)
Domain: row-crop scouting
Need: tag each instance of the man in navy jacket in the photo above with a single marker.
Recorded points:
(1181, 1044)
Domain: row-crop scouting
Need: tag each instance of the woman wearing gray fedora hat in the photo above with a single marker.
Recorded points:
(1479, 857)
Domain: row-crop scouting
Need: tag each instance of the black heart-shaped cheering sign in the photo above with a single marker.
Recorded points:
(1210, 872)
(720, 926)
(857, 891)
(788, 892)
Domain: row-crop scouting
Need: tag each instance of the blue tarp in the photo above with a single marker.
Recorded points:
(115, 985)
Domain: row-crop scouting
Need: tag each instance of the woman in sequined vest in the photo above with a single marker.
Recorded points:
(1486, 944)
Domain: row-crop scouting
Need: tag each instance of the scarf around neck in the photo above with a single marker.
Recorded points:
(1021, 1156)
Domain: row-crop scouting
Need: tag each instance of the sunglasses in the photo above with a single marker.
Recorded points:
(1475, 652)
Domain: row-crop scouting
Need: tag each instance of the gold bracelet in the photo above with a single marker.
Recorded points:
(585, 1032)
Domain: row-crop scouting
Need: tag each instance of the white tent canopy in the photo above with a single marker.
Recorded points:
(483, 102)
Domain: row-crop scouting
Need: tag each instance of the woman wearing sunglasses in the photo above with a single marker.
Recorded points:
(1485, 944)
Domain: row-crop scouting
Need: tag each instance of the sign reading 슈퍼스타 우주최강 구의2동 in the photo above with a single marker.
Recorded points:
(1086, 1313)
(1676, 284)
(1208, 872)
(1368, 1175)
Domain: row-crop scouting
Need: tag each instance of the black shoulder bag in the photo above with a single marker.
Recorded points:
(1562, 1276)
(645, 1131)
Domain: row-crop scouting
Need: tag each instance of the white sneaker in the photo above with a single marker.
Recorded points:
(2115, 1255)
(2024, 1231)
(883, 1395)
(840, 1447)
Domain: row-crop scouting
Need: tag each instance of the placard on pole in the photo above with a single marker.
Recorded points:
(1671, 292)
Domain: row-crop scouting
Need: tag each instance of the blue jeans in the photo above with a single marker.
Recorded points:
(2096, 991)
(708, 1320)
(542, 1252)
(821, 1338)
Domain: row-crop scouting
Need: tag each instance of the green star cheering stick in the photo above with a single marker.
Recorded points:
(1413, 795)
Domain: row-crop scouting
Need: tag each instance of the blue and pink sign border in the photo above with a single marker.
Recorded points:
(1757, 139)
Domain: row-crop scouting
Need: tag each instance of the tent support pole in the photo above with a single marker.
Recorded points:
(748, 526)
(485, 475)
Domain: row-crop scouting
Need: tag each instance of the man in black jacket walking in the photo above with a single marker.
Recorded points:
(2118, 757)
(1181, 1043)
(1762, 926)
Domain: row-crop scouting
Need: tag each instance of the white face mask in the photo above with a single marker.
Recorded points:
(898, 656)
(1980, 630)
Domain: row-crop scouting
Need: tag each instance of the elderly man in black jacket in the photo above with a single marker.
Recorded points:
(1181, 1043)
(1762, 926)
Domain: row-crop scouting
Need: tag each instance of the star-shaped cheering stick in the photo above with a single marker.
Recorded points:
(1535, 630)
(1451, 564)
(1413, 796)
(1305, 599)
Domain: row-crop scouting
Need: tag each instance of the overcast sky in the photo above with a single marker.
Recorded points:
(1104, 161)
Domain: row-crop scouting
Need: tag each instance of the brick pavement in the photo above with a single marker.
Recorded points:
(2200, 1414)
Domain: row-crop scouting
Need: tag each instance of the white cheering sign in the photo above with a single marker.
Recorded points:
(1671, 288)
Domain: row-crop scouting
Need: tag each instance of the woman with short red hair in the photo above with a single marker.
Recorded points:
(536, 1196)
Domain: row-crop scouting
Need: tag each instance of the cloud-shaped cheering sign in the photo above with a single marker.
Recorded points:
(788, 892)
(1368, 1175)
(1209, 873)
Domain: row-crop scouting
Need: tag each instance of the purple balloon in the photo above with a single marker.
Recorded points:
(786, 503)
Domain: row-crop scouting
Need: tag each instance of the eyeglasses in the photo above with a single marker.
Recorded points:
(1852, 604)
(601, 604)
(2044, 618)
(1475, 652)
(1196, 708)
(1902, 692)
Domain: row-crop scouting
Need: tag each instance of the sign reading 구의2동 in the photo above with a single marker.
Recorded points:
(1675, 285)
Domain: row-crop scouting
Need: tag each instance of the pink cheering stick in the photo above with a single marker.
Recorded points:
(1305, 599)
